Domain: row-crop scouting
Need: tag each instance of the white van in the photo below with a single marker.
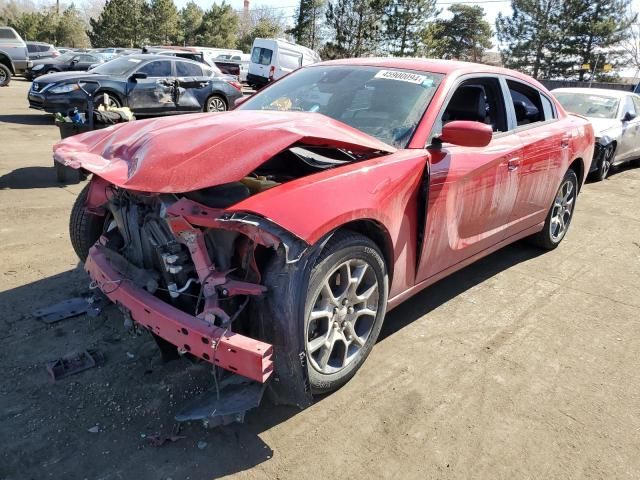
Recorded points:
(273, 58)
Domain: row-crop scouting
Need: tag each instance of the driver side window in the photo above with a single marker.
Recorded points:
(478, 100)
(160, 68)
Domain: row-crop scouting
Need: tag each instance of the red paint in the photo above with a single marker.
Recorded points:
(190, 152)
(479, 198)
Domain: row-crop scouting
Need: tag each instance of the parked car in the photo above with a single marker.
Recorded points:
(14, 56)
(615, 118)
(144, 83)
(272, 59)
(271, 240)
(70, 61)
(38, 50)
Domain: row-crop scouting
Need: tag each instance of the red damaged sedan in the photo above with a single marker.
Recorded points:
(270, 241)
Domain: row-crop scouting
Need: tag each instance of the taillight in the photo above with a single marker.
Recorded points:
(235, 85)
(272, 72)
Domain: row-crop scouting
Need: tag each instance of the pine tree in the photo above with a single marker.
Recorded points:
(356, 27)
(465, 36)
(219, 27)
(531, 36)
(163, 22)
(306, 31)
(590, 29)
(190, 22)
(122, 23)
(71, 29)
(405, 20)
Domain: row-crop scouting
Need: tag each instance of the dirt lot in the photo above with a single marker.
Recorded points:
(521, 366)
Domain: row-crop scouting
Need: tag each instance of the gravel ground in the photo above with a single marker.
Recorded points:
(524, 365)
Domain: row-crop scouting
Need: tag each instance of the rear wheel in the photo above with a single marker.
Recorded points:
(345, 307)
(560, 213)
(5, 75)
(84, 228)
(215, 103)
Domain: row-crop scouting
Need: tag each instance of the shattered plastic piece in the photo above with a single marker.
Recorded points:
(70, 308)
(235, 396)
(202, 444)
(94, 429)
(159, 439)
(74, 363)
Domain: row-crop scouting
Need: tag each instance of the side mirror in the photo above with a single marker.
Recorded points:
(74, 61)
(241, 100)
(138, 76)
(466, 133)
(628, 116)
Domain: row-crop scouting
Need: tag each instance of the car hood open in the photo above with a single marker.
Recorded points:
(190, 152)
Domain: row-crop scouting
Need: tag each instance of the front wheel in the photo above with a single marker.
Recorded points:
(605, 163)
(84, 228)
(215, 103)
(344, 310)
(5, 75)
(560, 213)
(101, 99)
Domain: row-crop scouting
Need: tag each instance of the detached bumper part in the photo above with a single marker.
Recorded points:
(239, 354)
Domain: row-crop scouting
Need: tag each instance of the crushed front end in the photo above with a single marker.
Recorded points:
(185, 271)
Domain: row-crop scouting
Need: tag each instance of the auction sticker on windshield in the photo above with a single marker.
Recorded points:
(401, 76)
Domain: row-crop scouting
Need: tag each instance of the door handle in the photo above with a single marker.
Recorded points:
(513, 164)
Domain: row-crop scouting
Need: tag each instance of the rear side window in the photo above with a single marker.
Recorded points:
(261, 56)
(32, 48)
(636, 102)
(184, 69)
(527, 103)
(7, 34)
(547, 108)
(161, 68)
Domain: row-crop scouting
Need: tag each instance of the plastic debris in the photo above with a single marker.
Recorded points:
(72, 307)
(74, 363)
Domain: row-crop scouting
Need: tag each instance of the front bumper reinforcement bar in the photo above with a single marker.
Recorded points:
(234, 352)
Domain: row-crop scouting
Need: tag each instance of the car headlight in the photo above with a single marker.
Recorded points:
(70, 87)
(38, 67)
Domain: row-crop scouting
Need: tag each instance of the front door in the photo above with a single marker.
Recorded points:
(148, 96)
(471, 191)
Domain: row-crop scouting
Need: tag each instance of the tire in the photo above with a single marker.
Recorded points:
(51, 70)
(215, 103)
(338, 322)
(66, 175)
(84, 228)
(605, 163)
(113, 100)
(563, 206)
(5, 75)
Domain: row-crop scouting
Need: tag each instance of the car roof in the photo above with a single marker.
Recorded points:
(594, 91)
(431, 65)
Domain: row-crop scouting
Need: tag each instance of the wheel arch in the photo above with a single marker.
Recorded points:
(6, 61)
(378, 234)
(111, 92)
(578, 167)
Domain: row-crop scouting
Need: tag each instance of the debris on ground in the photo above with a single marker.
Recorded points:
(202, 444)
(73, 363)
(72, 307)
(159, 439)
(94, 429)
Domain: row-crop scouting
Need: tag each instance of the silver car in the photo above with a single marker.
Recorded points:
(615, 115)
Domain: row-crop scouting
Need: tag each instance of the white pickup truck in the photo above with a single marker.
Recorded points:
(14, 56)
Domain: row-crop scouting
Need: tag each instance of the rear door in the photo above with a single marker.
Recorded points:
(194, 91)
(472, 190)
(148, 96)
(545, 141)
(261, 58)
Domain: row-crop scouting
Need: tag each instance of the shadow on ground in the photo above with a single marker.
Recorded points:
(30, 177)
(22, 119)
(134, 394)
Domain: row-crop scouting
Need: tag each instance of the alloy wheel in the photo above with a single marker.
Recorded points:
(216, 104)
(342, 317)
(562, 210)
(3, 76)
(606, 163)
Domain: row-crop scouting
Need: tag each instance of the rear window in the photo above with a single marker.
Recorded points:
(7, 34)
(261, 56)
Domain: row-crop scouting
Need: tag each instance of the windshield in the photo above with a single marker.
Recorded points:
(119, 66)
(386, 104)
(595, 106)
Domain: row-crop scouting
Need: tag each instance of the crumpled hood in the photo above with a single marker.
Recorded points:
(190, 152)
